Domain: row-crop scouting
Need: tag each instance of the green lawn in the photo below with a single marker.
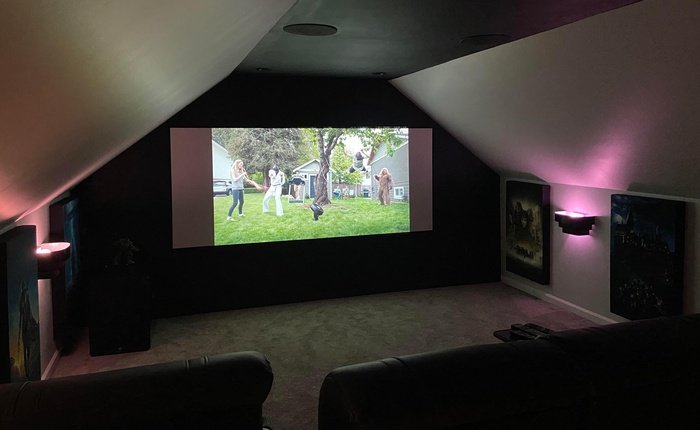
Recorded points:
(357, 216)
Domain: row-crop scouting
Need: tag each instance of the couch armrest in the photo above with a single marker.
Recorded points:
(222, 391)
(642, 374)
(527, 384)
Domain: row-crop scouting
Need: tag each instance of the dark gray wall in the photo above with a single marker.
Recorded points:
(130, 197)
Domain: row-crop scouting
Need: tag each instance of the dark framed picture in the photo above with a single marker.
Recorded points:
(647, 238)
(527, 230)
(65, 294)
(64, 227)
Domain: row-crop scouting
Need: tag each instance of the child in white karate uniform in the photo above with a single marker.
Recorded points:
(276, 181)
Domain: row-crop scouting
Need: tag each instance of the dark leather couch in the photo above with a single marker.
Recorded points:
(216, 392)
(634, 375)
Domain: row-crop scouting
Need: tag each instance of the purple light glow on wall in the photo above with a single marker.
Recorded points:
(579, 202)
(579, 248)
(570, 214)
(623, 145)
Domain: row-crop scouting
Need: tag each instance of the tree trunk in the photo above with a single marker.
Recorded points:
(326, 144)
(322, 183)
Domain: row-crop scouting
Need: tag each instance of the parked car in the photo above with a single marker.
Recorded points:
(222, 188)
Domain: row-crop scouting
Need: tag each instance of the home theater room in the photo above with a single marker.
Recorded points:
(447, 214)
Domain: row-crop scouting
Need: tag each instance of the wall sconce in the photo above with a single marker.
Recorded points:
(574, 223)
(51, 257)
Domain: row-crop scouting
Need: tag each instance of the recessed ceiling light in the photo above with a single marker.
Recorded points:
(310, 29)
(262, 69)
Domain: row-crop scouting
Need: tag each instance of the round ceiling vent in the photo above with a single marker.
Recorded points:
(310, 29)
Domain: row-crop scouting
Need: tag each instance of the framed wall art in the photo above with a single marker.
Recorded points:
(647, 237)
(19, 306)
(527, 230)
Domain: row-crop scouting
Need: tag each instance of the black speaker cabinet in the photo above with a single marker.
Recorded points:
(120, 319)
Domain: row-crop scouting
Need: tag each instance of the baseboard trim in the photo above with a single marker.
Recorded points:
(558, 301)
(51, 366)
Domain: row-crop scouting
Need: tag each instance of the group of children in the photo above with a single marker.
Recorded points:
(239, 176)
(277, 179)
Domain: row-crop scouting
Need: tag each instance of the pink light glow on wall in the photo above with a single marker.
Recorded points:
(579, 248)
(570, 214)
(580, 200)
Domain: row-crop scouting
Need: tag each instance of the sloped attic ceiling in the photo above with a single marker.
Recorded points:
(392, 38)
(611, 101)
(82, 80)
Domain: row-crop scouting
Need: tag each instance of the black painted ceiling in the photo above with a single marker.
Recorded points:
(391, 38)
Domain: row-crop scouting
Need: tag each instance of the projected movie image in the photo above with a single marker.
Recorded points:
(280, 184)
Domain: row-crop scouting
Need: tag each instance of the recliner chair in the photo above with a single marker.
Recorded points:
(634, 375)
(216, 392)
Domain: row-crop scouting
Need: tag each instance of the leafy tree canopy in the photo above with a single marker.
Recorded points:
(340, 163)
(261, 148)
(327, 139)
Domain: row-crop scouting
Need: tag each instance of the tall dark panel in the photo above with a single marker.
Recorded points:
(66, 295)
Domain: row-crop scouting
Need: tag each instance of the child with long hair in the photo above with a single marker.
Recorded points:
(238, 176)
(385, 185)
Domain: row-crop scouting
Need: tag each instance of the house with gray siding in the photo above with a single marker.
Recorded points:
(398, 167)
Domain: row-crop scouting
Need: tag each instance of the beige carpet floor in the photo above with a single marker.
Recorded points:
(305, 341)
